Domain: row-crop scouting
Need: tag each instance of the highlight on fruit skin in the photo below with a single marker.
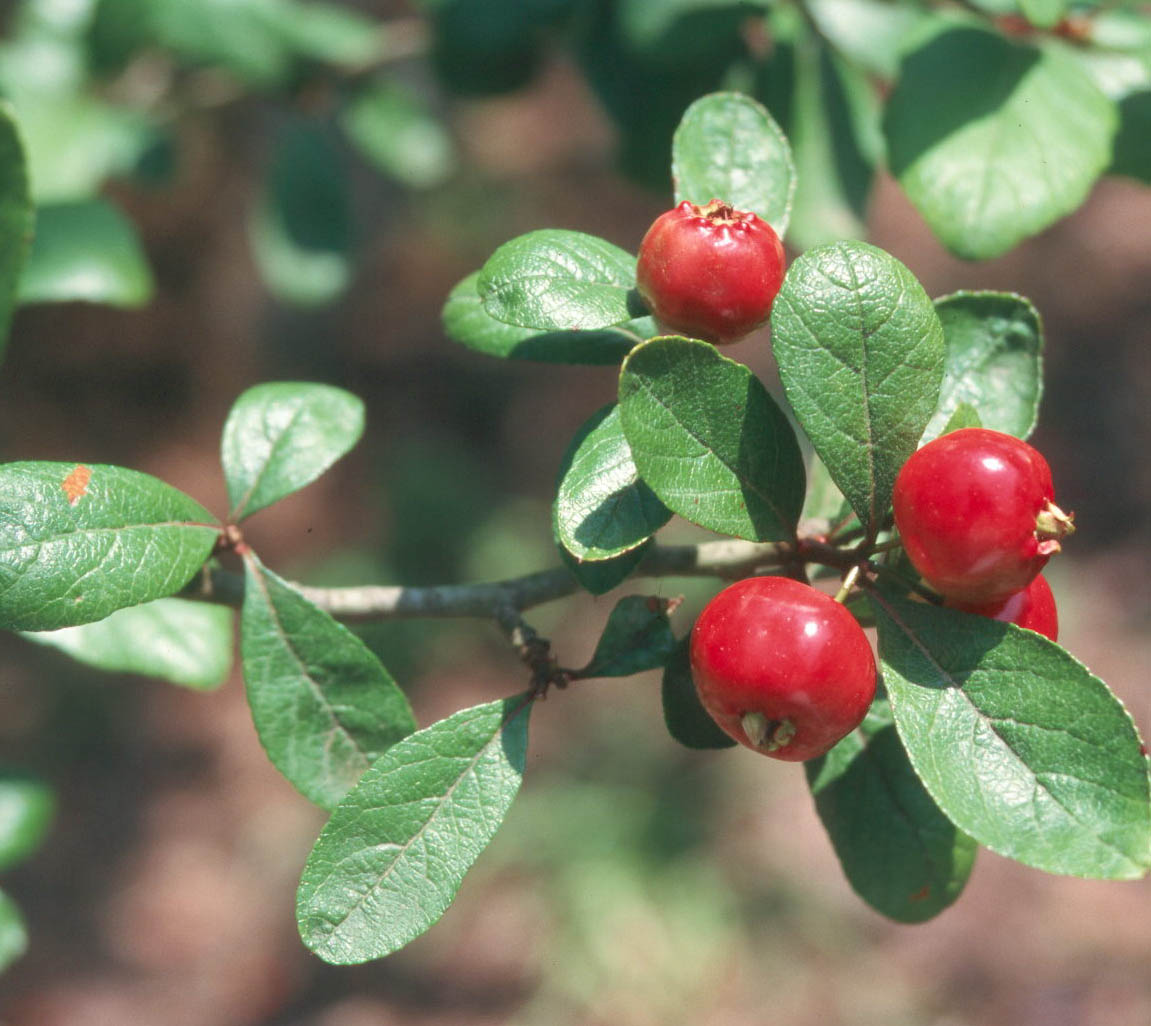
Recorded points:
(781, 667)
(710, 272)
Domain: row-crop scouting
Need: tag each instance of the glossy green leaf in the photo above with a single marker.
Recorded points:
(993, 361)
(323, 705)
(15, 217)
(301, 228)
(1017, 742)
(176, 640)
(79, 542)
(27, 806)
(729, 147)
(467, 322)
(601, 576)
(281, 436)
(687, 720)
(899, 852)
(709, 440)
(963, 416)
(86, 250)
(993, 158)
(395, 852)
(637, 637)
(602, 508)
(556, 280)
(13, 933)
(860, 354)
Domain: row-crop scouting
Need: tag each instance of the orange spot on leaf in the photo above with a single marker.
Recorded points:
(76, 483)
(922, 894)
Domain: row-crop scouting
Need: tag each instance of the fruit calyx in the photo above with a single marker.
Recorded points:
(767, 735)
(719, 212)
(1052, 525)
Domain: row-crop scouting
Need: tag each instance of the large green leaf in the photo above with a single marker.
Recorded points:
(27, 806)
(687, 720)
(993, 361)
(176, 640)
(79, 542)
(86, 250)
(557, 280)
(15, 217)
(900, 853)
(282, 436)
(1017, 742)
(394, 853)
(13, 933)
(602, 508)
(992, 158)
(860, 354)
(710, 441)
(637, 637)
(729, 147)
(323, 705)
(467, 322)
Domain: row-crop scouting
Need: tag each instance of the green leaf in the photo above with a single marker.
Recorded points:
(965, 416)
(329, 33)
(395, 852)
(79, 542)
(603, 575)
(1017, 742)
(556, 280)
(637, 637)
(86, 250)
(1133, 143)
(729, 147)
(323, 705)
(281, 436)
(869, 33)
(467, 322)
(899, 852)
(687, 720)
(992, 362)
(15, 217)
(301, 229)
(13, 933)
(1044, 13)
(602, 508)
(394, 130)
(993, 158)
(27, 806)
(710, 441)
(860, 354)
(176, 640)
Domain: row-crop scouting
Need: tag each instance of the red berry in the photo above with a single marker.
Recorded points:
(976, 515)
(1033, 608)
(781, 667)
(710, 272)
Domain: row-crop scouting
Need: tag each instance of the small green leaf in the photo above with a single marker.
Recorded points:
(87, 251)
(993, 158)
(637, 637)
(710, 441)
(602, 508)
(467, 322)
(79, 542)
(281, 436)
(1133, 143)
(27, 806)
(900, 853)
(323, 705)
(992, 361)
(687, 720)
(327, 32)
(176, 640)
(1017, 742)
(13, 933)
(556, 280)
(603, 575)
(965, 416)
(395, 852)
(729, 147)
(1044, 13)
(860, 354)
(15, 217)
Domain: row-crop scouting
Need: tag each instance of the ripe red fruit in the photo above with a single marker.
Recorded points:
(710, 272)
(781, 667)
(1033, 608)
(976, 515)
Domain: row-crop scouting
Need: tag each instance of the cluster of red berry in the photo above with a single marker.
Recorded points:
(782, 667)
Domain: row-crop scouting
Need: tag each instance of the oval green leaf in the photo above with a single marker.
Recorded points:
(78, 542)
(395, 852)
(15, 216)
(637, 637)
(709, 441)
(687, 720)
(860, 354)
(323, 705)
(27, 806)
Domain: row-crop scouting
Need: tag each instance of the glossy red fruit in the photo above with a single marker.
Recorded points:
(710, 272)
(976, 514)
(1033, 608)
(781, 667)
